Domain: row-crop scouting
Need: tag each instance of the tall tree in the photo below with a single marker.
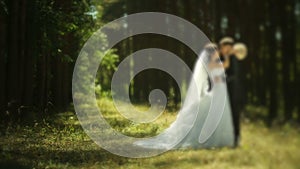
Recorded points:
(289, 54)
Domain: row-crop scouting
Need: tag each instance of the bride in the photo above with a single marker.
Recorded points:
(204, 121)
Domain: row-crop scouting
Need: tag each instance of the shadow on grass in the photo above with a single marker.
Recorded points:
(12, 165)
(58, 142)
(23, 159)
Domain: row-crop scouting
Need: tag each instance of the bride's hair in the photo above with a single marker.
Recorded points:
(211, 48)
(206, 57)
(208, 51)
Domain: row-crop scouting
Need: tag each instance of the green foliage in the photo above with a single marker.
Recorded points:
(57, 24)
(65, 29)
(107, 67)
(3, 7)
(60, 22)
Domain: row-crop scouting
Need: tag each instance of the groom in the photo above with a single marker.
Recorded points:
(230, 64)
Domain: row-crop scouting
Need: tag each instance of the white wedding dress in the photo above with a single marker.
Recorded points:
(204, 120)
(223, 136)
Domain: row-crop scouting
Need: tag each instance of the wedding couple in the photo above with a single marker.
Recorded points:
(211, 117)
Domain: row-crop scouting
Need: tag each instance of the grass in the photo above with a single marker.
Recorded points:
(59, 142)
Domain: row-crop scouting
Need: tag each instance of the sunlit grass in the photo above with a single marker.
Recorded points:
(59, 142)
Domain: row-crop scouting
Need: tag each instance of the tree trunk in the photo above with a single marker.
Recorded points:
(3, 60)
(13, 58)
(289, 52)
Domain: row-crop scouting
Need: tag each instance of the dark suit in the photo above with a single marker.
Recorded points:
(236, 94)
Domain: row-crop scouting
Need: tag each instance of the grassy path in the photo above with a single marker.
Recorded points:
(60, 143)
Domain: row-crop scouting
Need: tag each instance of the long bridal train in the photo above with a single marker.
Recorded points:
(203, 115)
